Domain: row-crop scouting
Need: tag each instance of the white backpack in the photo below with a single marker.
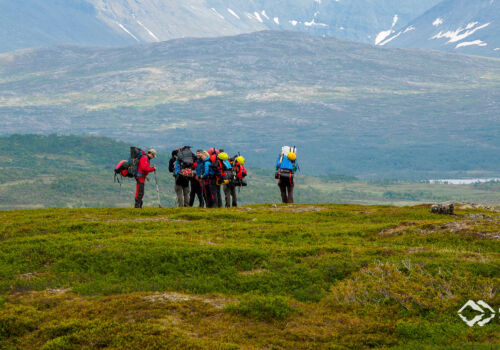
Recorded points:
(287, 149)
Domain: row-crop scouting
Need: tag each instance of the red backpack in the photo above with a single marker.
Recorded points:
(241, 172)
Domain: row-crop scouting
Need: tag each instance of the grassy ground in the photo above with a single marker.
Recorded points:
(260, 277)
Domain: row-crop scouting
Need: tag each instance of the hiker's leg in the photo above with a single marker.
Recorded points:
(233, 194)
(204, 191)
(192, 195)
(227, 195)
(282, 186)
(212, 195)
(186, 195)
(199, 193)
(290, 191)
(219, 197)
(139, 194)
(179, 194)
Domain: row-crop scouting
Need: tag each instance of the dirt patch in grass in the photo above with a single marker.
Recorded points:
(253, 272)
(390, 231)
(216, 301)
(29, 275)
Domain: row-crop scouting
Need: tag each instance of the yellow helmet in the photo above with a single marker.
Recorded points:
(223, 156)
(240, 160)
(292, 156)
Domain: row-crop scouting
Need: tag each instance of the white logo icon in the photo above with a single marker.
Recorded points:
(479, 319)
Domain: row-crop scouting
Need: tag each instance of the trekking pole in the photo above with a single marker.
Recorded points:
(157, 191)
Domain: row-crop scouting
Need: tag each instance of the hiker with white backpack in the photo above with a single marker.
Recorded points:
(286, 166)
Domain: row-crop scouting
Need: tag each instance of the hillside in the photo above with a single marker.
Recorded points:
(376, 111)
(461, 26)
(34, 23)
(290, 277)
(74, 172)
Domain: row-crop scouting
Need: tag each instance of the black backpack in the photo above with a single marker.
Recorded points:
(135, 156)
(185, 158)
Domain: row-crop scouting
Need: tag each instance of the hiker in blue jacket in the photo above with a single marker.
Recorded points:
(286, 166)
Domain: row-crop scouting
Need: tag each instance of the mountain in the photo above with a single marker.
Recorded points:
(34, 23)
(375, 112)
(461, 26)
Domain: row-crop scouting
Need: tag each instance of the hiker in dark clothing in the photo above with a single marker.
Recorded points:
(196, 188)
(183, 161)
(143, 169)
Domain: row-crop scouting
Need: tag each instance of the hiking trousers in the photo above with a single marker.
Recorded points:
(182, 193)
(286, 188)
(139, 193)
(213, 194)
(218, 196)
(230, 191)
(196, 191)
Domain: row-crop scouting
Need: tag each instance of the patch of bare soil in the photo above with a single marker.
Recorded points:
(389, 231)
(217, 302)
(253, 272)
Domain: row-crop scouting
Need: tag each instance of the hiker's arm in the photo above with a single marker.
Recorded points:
(278, 162)
(177, 167)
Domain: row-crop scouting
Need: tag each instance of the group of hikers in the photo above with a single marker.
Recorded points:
(202, 175)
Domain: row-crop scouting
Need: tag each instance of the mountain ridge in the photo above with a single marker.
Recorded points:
(453, 25)
(383, 110)
(116, 22)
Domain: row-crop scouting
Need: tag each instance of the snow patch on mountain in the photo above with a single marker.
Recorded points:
(263, 12)
(313, 23)
(217, 13)
(276, 20)
(409, 29)
(127, 31)
(233, 13)
(149, 31)
(384, 34)
(460, 33)
(437, 22)
(257, 15)
(470, 43)
(293, 22)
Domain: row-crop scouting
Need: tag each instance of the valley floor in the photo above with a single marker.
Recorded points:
(257, 277)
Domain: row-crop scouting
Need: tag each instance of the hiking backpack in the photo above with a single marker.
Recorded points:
(122, 169)
(135, 157)
(128, 168)
(284, 152)
(185, 158)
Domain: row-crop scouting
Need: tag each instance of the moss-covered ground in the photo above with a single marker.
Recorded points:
(259, 277)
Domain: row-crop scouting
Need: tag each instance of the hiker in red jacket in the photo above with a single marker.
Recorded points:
(143, 169)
